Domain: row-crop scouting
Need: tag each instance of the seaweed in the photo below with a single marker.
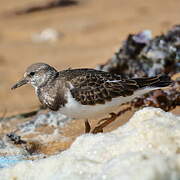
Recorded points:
(142, 55)
(44, 6)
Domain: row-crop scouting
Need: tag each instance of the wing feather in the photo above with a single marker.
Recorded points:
(98, 88)
(91, 87)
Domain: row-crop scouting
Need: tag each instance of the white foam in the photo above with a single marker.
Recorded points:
(146, 148)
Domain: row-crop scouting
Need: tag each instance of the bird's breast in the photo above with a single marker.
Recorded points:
(76, 110)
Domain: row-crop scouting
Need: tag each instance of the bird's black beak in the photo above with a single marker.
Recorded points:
(20, 83)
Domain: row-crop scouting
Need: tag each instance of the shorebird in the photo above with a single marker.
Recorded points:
(86, 93)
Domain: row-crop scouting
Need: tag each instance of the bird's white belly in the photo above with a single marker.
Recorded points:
(76, 110)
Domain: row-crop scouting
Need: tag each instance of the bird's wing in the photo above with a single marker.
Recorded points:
(89, 86)
(98, 88)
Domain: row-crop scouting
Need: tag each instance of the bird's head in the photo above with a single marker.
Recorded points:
(37, 75)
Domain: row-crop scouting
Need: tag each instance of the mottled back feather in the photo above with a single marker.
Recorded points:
(91, 87)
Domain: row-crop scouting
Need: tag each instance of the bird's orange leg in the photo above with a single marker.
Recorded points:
(105, 121)
(87, 126)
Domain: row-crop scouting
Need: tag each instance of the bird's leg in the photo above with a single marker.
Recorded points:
(105, 121)
(87, 126)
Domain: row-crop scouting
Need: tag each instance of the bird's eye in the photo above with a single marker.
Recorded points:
(31, 73)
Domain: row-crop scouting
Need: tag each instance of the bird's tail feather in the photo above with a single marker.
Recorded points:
(154, 82)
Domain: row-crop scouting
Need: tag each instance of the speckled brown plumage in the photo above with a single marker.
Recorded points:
(52, 95)
(92, 87)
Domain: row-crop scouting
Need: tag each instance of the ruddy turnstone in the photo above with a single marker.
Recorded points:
(86, 93)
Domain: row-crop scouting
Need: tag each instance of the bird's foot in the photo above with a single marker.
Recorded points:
(103, 123)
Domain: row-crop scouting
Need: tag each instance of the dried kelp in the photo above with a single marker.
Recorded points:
(44, 6)
(15, 138)
(165, 99)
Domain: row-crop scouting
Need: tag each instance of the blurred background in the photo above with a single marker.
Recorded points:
(69, 33)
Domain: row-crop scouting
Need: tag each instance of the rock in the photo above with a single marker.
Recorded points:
(47, 35)
(145, 148)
